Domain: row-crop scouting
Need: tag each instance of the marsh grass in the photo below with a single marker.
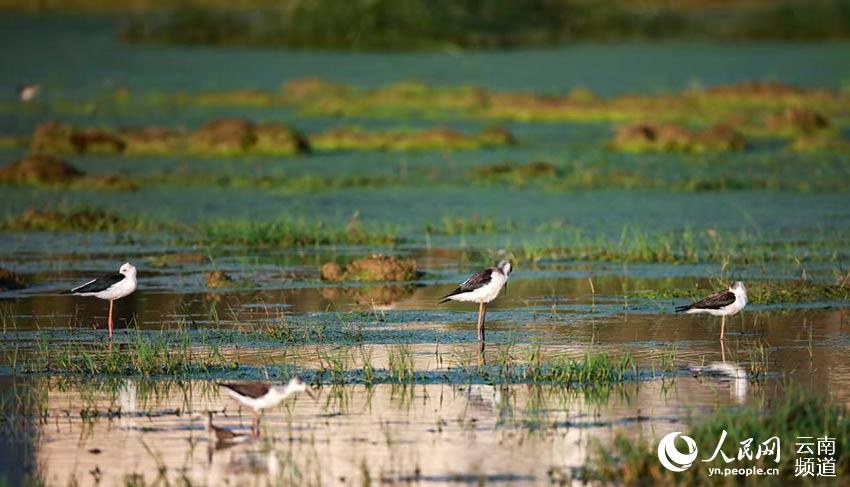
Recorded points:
(400, 363)
(286, 232)
(473, 225)
(797, 412)
(593, 367)
(74, 219)
(635, 244)
(143, 354)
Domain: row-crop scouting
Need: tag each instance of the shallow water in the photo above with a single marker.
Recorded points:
(461, 422)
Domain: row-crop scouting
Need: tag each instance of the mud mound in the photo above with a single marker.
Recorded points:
(218, 279)
(646, 137)
(40, 168)
(9, 280)
(372, 268)
(225, 135)
(797, 120)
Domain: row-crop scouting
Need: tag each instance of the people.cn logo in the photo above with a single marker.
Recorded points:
(671, 457)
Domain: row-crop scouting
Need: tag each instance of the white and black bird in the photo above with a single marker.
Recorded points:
(725, 303)
(260, 395)
(109, 287)
(28, 92)
(481, 288)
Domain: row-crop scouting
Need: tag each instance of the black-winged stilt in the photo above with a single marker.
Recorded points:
(481, 288)
(220, 435)
(725, 303)
(259, 395)
(110, 287)
(29, 92)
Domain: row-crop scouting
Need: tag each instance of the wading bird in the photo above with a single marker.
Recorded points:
(725, 303)
(222, 436)
(259, 395)
(109, 287)
(28, 92)
(481, 288)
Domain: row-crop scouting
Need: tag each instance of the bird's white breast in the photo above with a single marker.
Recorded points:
(486, 293)
(121, 288)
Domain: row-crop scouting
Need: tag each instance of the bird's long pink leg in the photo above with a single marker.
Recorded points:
(110, 319)
(722, 326)
(482, 312)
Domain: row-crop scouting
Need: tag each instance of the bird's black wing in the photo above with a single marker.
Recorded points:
(715, 301)
(480, 279)
(247, 389)
(98, 285)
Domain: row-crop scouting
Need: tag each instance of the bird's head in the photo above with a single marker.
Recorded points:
(294, 386)
(505, 267)
(128, 270)
(738, 288)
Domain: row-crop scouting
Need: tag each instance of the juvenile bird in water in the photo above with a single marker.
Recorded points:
(260, 395)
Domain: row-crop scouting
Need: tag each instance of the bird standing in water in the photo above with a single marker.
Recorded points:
(260, 395)
(481, 288)
(110, 287)
(725, 303)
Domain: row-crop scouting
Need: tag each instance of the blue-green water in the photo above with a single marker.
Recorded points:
(564, 304)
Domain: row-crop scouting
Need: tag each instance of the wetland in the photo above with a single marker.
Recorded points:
(298, 212)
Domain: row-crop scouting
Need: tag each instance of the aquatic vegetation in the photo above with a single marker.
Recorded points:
(285, 232)
(820, 142)
(798, 412)
(71, 220)
(218, 279)
(516, 174)
(62, 138)
(179, 258)
(152, 140)
(52, 172)
(743, 107)
(375, 267)
(674, 138)
(9, 280)
(594, 367)
(443, 25)
(236, 136)
(796, 121)
(401, 366)
(53, 138)
(40, 169)
(107, 182)
(797, 291)
(474, 225)
(165, 353)
(686, 246)
(354, 138)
